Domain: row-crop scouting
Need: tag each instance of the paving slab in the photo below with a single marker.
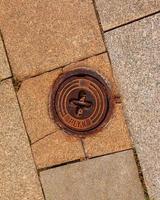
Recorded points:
(18, 176)
(112, 177)
(57, 148)
(43, 35)
(34, 98)
(4, 66)
(135, 55)
(114, 13)
(113, 137)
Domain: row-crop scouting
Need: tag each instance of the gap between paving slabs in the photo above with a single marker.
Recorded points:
(5, 72)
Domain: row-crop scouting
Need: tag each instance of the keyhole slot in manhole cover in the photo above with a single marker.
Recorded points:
(81, 102)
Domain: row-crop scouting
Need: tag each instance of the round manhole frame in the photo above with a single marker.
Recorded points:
(83, 71)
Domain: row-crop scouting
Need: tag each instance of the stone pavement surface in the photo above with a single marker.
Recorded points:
(4, 66)
(42, 35)
(18, 176)
(114, 13)
(46, 38)
(135, 54)
(112, 177)
(50, 145)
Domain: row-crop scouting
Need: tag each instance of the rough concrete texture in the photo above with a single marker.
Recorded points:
(42, 35)
(101, 65)
(4, 66)
(57, 148)
(18, 177)
(112, 138)
(114, 13)
(135, 54)
(34, 97)
(112, 177)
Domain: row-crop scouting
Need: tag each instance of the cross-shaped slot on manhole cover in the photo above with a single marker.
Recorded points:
(81, 104)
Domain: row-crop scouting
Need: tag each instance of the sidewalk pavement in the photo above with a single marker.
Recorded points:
(40, 40)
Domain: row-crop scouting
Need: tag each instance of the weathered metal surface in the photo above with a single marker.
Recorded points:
(81, 102)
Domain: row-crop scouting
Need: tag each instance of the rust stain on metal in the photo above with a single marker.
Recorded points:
(81, 102)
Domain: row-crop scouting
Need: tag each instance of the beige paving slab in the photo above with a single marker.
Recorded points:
(4, 66)
(34, 97)
(112, 138)
(42, 35)
(57, 148)
(112, 177)
(18, 177)
(114, 13)
(135, 54)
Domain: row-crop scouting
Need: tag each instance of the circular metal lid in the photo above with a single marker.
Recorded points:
(81, 102)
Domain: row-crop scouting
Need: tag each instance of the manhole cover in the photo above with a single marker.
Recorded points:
(81, 102)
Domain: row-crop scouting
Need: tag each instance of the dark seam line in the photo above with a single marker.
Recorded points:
(43, 137)
(130, 22)
(84, 149)
(99, 23)
(4, 79)
(102, 32)
(5, 49)
(78, 160)
(58, 165)
(60, 67)
(112, 153)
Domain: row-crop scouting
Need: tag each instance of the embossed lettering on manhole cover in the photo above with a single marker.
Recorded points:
(81, 102)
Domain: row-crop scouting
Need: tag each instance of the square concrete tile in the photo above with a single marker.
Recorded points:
(114, 13)
(112, 138)
(43, 35)
(4, 66)
(34, 97)
(57, 148)
(135, 54)
(18, 176)
(112, 177)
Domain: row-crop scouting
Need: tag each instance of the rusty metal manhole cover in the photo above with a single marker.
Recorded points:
(81, 102)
